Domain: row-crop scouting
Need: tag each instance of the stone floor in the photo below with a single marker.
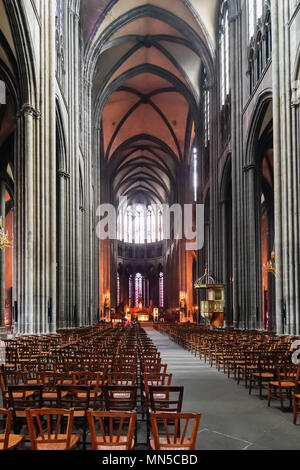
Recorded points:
(231, 418)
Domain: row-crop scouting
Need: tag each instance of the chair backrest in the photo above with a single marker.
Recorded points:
(153, 368)
(41, 438)
(50, 380)
(121, 378)
(120, 397)
(116, 436)
(75, 397)
(10, 377)
(93, 379)
(156, 380)
(179, 430)
(166, 399)
(21, 397)
(125, 367)
(7, 416)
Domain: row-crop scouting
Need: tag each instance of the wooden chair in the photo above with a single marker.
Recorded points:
(76, 398)
(9, 441)
(285, 382)
(263, 375)
(296, 401)
(166, 399)
(154, 380)
(51, 438)
(115, 438)
(94, 381)
(22, 397)
(120, 397)
(9, 378)
(50, 380)
(167, 439)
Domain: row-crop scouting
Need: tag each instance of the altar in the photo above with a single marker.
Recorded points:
(139, 314)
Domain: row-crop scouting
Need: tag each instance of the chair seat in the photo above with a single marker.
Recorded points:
(14, 440)
(53, 395)
(20, 395)
(265, 375)
(92, 395)
(283, 384)
(178, 445)
(121, 445)
(57, 445)
(79, 414)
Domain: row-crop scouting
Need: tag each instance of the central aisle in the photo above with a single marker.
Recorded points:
(231, 419)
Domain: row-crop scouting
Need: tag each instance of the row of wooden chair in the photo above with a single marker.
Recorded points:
(257, 358)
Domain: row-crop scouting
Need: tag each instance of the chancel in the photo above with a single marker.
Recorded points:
(130, 131)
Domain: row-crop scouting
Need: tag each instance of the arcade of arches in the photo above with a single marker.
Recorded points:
(139, 105)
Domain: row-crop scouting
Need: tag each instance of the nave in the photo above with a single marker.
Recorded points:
(128, 388)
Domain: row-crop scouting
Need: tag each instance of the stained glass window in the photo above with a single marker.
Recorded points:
(206, 105)
(224, 55)
(140, 224)
(131, 297)
(118, 289)
(138, 289)
(161, 290)
(195, 176)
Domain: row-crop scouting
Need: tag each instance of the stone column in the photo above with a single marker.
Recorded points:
(286, 175)
(2, 258)
(254, 313)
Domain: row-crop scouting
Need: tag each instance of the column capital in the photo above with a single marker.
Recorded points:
(250, 167)
(63, 174)
(235, 16)
(74, 14)
(28, 110)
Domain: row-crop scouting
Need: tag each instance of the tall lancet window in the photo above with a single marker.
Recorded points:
(118, 289)
(140, 224)
(260, 39)
(131, 292)
(255, 12)
(206, 109)
(224, 54)
(195, 174)
(138, 289)
(60, 58)
(149, 224)
(161, 290)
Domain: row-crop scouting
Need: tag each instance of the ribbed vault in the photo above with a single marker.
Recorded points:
(145, 61)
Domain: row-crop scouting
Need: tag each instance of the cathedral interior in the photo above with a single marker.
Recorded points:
(150, 114)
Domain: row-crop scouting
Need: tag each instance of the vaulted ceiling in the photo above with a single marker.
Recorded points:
(147, 59)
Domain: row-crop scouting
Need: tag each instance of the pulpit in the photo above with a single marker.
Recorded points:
(212, 309)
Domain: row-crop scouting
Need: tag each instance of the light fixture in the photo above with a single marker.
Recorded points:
(5, 242)
(270, 267)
